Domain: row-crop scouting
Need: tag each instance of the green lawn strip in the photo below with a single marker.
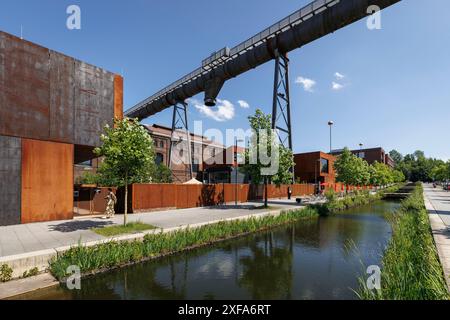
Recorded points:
(130, 228)
(115, 254)
(410, 267)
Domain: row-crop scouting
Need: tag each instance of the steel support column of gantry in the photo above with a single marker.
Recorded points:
(180, 124)
(281, 112)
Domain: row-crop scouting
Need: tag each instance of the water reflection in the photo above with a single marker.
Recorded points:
(313, 259)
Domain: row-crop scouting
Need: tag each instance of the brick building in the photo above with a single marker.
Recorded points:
(371, 155)
(203, 151)
(225, 169)
(315, 167)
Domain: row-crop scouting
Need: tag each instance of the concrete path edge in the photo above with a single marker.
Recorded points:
(40, 259)
(439, 228)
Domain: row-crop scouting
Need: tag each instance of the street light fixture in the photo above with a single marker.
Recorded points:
(236, 160)
(331, 123)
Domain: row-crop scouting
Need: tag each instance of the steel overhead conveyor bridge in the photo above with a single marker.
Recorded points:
(304, 26)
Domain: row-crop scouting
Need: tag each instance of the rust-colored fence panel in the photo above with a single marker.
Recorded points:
(147, 197)
(47, 181)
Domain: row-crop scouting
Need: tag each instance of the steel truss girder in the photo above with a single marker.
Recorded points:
(281, 111)
(180, 124)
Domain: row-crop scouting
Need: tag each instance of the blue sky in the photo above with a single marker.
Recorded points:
(396, 87)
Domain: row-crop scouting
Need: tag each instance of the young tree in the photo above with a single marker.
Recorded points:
(382, 174)
(352, 170)
(163, 174)
(129, 156)
(264, 144)
(398, 176)
(396, 156)
(441, 172)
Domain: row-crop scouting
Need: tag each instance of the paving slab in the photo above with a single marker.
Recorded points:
(437, 202)
(11, 289)
(26, 246)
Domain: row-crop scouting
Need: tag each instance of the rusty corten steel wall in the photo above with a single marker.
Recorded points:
(47, 181)
(159, 196)
(118, 97)
(10, 168)
(48, 96)
(94, 103)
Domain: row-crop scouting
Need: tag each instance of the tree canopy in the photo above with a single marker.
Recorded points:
(417, 167)
(264, 144)
(355, 171)
(128, 153)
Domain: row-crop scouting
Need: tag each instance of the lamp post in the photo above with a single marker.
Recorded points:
(237, 167)
(330, 124)
(360, 150)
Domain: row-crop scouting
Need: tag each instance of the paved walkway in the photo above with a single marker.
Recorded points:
(437, 202)
(24, 247)
(20, 239)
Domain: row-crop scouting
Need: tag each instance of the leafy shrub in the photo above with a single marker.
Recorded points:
(5, 273)
(31, 273)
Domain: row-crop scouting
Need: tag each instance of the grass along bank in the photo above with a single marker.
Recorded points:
(335, 204)
(130, 228)
(410, 268)
(113, 254)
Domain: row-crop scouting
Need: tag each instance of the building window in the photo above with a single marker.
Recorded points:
(161, 144)
(362, 155)
(324, 166)
(159, 159)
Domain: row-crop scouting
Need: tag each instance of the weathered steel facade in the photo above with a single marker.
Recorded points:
(48, 97)
(10, 168)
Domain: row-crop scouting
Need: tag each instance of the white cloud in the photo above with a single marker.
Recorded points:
(224, 111)
(243, 104)
(336, 86)
(339, 76)
(308, 84)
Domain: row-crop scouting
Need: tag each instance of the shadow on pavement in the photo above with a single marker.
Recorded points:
(73, 226)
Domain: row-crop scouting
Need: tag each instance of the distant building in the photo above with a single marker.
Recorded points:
(203, 151)
(225, 168)
(371, 155)
(315, 167)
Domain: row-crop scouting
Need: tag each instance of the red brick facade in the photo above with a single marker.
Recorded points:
(314, 167)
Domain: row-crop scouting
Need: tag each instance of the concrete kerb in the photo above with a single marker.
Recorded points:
(40, 259)
(438, 228)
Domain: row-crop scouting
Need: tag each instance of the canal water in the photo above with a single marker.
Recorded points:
(320, 258)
